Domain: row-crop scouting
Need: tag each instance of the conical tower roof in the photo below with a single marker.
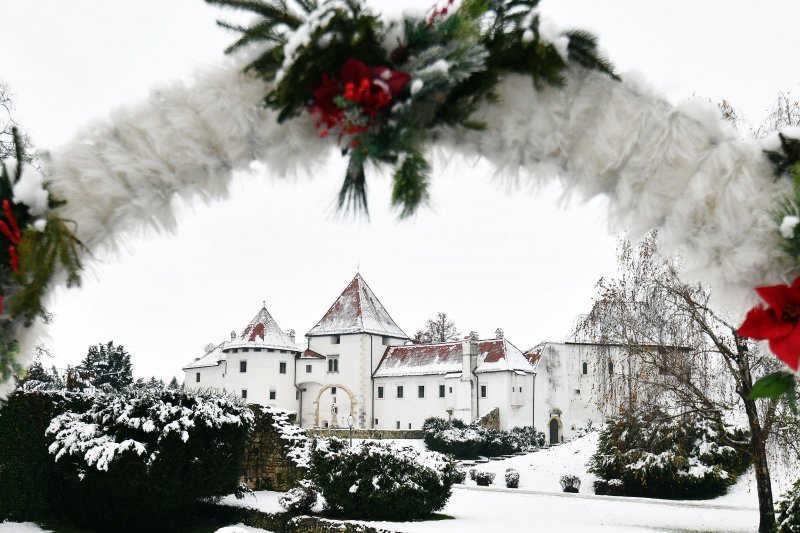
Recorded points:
(357, 310)
(264, 331)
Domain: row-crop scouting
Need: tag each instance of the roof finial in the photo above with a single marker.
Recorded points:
(358, 266)
(264, 304)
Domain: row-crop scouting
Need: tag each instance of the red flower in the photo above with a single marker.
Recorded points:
(365, 90)
(779, 323)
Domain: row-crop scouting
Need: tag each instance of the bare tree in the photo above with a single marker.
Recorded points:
(785, 112)
(7, 125)
(438, 329)
(682, 354)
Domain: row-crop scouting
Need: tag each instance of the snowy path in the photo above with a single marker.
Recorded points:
(496, 509)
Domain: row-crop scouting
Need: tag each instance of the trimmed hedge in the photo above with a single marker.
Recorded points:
(570, 483)
(655, 455)
(470, 441)
(380, 481)
(131, 461)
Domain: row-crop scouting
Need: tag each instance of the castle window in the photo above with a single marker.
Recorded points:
(242, 366)
(376, 421)
(380, 392)
(420, 391)
(333, 390)
(272, 395)
(235, 350)
(282, 367)
(245, 349)
(308, 369)
(483, 391)
(386, 340)
(197, 377)
(398, 424)
(451, 390)
(333, 364)
(399, 395)
(585, 368)
(335, 339)
(577, 392)
(441, 391)
(244, 394)
(256, 349)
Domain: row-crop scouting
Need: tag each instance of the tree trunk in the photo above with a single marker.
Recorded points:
(766, 509)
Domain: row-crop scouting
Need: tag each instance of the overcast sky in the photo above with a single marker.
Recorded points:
(489, 252)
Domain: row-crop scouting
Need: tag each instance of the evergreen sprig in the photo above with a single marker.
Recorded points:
(455, 61)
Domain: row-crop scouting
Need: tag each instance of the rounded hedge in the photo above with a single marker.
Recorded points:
(380, 481)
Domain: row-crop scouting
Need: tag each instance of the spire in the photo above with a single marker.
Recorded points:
(357, 310)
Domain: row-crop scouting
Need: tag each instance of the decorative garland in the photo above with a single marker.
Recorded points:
(489, 78)
(34, 243)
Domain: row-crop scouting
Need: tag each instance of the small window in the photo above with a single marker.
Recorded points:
(380, 392)
(242, 366)
(376, 421)
(399, 395)
(577, 392)
(335, 339)
(270, 350)
(398, 424)
(235, 350)
(244, 394)
(483, 391)
(197, 377)
(441, 391)
(451, 390)
(520, 389)
(585, 368)
(272, 395)
(409, 425)
(256, 349)
(335, 365)
(282, 368)
(308, 369)
(245, 349)
(513, 389)
(386, 340)
(610, 367)
(420, 391)
(333, 391)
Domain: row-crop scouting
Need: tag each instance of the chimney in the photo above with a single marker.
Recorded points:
(233, 335)
(473, 335)
(469, 358)
(498, 333)
(290, 333)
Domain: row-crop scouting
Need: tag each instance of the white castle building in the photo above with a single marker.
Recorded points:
(357, 362)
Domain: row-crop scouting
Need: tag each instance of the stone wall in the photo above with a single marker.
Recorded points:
(491, 420)
(266, 466)
(367, 433)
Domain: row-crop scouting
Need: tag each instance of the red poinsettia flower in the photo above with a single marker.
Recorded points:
(779, 322)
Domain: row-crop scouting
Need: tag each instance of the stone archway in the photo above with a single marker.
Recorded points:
(338, 386)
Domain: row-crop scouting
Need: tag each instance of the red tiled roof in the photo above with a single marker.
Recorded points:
(357, 310)
(311, 354)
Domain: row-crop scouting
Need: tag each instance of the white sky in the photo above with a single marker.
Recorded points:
(489, 253)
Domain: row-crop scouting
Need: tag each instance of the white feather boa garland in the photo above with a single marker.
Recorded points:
(677, 169)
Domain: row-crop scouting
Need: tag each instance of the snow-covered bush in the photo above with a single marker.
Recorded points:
(512, 478)
(137, 460)
(658, 455)
(612, 487)
(460, 475)
(789, 510)
(301, 499)
(484, 479)
(470, 441)
(380, 481)
(570, 483)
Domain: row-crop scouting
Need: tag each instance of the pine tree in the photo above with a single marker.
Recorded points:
(108, 364)
(173, 384)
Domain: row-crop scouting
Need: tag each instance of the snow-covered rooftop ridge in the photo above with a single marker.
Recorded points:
(357, 310)
(264, 331)
(494, 355)
(212, 358)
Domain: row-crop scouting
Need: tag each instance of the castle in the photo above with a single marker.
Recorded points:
(356, 366)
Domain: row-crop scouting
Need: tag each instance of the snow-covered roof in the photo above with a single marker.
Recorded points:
(212, 358)
(357, 310)
(494, 355)
(263, 331)
(311, 354)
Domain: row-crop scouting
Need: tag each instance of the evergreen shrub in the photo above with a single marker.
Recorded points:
(300, 499)
(570, 483)
(657, 455)
(470, 441)
(789, 510)
(484, 479)
(380, 481)
(131, 461)
(612, 487)
(512, 478)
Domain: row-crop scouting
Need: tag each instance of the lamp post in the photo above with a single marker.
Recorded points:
(350, 424)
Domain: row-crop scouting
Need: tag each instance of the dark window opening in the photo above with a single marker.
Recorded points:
(399, 395)
(441, 391)
(197, 377)
(380, 392)
(282, 368)
(272, 395)
(333, 390)
(335, 339)
(242, 366)
(585, 368)
(244, 394)
(308, 369)
(483, 391)
(420, 391)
